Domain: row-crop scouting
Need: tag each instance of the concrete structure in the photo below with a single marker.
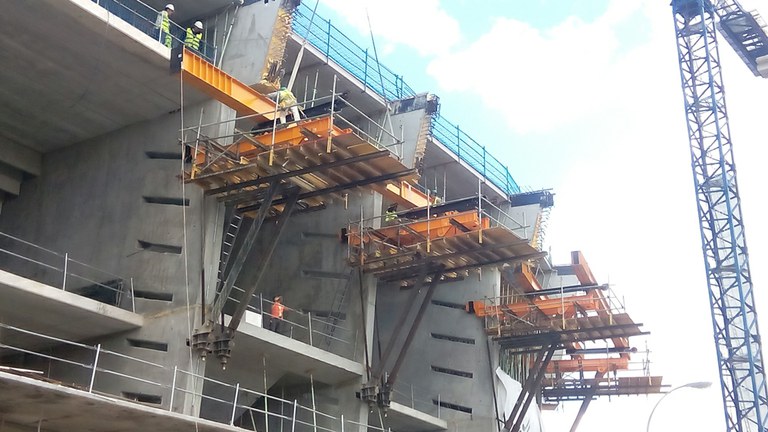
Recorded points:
(109, 263)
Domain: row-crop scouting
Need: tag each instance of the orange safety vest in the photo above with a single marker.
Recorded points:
(277, 310)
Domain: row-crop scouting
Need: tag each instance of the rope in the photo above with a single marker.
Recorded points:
(184, 230)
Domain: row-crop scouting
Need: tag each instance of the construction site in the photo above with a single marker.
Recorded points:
(267, 229)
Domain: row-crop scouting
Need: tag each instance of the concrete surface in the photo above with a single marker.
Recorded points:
(41, 308)
(762, 66)
(406, 419)
(88, 74)
(26, 401)
(285, 355)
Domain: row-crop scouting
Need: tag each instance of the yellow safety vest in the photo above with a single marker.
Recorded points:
(165, 21)
(389, 216)
(193, 39)
(286, 98)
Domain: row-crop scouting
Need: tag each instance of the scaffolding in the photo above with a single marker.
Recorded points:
(457, 236)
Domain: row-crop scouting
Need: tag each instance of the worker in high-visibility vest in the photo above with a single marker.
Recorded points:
(276, 312)
(285, 101)
(391, 214)
(194, 35)
(163, 24)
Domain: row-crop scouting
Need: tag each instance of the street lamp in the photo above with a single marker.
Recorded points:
(696, 385)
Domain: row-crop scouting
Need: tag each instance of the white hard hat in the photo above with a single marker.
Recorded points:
(199, 25)
(170, 6)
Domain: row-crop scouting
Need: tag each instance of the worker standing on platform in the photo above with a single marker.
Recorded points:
(194, 35)
(285, 101)
(277, 314)
(163, 24)
(391, 214)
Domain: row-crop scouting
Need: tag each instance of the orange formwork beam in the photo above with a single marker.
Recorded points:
(406, 234)
(225, 88)
(292, 135)
(408, 196)
(567, 306)
(589, 365)
(526, 279)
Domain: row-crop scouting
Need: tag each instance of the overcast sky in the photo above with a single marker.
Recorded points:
(583, 96)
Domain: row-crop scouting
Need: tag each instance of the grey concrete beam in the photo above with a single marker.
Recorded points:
(26, 401)
(41, 308)
(10, 179)
(285, 355)
(20, 157)
(407, 419)
(762, 66)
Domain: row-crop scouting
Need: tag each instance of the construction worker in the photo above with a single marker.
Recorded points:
(194, 35)
(285, 101)
(163, 24)
(277, 314)
(391, 214)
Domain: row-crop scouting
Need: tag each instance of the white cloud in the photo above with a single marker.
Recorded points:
(542, 79)
(422, 25)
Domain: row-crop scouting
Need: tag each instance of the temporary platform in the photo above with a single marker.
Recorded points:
(454, 236)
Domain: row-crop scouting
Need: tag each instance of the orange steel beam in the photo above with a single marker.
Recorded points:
(526, 279)
(589, 365)
(550, 307)
(581, 268)
(416, 232)
(226, 89)
(292, 135)
(408, 196)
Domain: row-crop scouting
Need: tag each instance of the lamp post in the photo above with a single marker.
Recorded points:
(697, 385)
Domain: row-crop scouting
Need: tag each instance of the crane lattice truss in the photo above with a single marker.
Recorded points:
(734, 317)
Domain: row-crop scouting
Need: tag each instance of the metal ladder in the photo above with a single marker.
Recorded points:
(234, 222)
(335, 313)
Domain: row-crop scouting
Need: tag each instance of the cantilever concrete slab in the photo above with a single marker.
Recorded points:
(285, 355)
(37, 307)
(405, 419)
(26, 401)
(72, 71)
(762, 66)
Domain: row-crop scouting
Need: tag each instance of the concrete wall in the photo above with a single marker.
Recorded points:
(427, 351)
(248, 43)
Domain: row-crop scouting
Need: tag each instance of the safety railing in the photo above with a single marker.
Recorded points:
(145, 18)
(417, 398)
(473, 154)
(205, 138)
(60, 270)
(380, 235)
(301, 326)
(558, 311)
(84, 367)
(334, 45)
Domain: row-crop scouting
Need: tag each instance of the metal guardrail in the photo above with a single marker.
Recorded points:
(304, 327)
(143, 17)
(59, 270)
(416, 398)
(75, 355)
(474, 154)
(357, 61)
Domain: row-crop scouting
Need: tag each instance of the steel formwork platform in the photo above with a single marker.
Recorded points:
(240, 173)
(581, 329)
(455, 241)
(578, 390)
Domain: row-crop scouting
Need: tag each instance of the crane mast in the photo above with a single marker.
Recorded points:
(734, 318)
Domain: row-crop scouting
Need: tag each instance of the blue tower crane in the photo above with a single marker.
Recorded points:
(734, 318)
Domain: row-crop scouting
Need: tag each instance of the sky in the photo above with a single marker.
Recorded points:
(584, 97)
